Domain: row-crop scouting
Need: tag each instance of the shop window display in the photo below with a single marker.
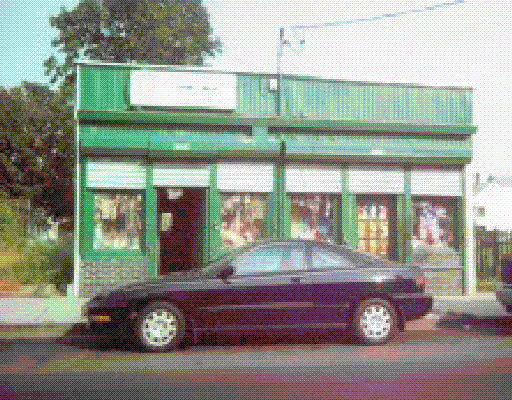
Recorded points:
(117, 221)
(433, 232)
(242, 218)
(312, 217)
(373, 227)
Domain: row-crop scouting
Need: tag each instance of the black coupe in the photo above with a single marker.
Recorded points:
(269, 286)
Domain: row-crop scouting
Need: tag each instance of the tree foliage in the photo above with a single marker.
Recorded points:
(151, 31)
(36, 147)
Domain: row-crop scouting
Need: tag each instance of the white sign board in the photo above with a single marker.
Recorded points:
(183, 89)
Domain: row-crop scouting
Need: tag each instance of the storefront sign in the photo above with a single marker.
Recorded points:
(183, 89)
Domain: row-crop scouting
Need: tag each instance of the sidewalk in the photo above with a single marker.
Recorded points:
(41, 311)
(67, 310)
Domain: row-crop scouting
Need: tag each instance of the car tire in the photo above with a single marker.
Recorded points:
(160, 326)
(375, 321)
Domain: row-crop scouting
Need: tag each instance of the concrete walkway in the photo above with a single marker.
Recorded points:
(41, 311)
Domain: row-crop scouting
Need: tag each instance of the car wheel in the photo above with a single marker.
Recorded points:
(160, 326)
(375, 321)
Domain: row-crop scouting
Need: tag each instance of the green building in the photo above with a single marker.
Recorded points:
(176, 166)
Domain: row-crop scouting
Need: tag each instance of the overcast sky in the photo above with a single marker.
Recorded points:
(467, 44)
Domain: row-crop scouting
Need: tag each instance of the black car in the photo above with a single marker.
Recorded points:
(270, 286)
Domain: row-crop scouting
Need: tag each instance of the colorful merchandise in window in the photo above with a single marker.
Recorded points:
(433, 232)
(373, 226)
(312, 217)
(242, 218)
(117, 221)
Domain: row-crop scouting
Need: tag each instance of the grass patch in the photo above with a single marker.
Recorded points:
(36, 263)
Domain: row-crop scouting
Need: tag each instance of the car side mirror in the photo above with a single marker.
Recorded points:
(226, 271)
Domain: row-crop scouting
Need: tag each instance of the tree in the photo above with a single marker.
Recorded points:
(152, 31)
(36, 147)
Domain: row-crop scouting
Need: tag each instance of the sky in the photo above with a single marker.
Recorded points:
(465, 44)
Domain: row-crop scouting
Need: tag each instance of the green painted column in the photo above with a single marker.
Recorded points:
(259, 131)
(282, 204)
(400, 227)
(151, 216)
(461, 227)
(285, 205)
(407, 216)
(86, 212)
(336, 219)
(348, 212)
(214, 216)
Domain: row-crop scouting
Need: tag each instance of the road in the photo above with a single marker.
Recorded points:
(457, 360)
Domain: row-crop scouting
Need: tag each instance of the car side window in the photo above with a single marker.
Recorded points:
(270, 259)
(323, 258)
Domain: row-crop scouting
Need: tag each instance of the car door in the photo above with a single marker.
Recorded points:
(335, 281)
(269, 288)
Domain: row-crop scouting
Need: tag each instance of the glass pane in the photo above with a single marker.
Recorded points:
(294, 259)
(312, 217)
(242, 218)
(373, 226)
(117, 221)
(261, 260)
(323, 258)
(433, 232)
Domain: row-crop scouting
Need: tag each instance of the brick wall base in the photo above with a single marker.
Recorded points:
(103, 275)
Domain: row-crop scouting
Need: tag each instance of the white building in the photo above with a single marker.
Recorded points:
(493, 203)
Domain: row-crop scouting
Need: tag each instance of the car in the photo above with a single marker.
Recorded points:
(269, 286)
(504, 295)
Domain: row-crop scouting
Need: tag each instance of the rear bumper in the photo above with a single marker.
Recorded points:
(414, 305)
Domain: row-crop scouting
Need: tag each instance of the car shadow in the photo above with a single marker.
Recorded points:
(81, 337)
(495, 325)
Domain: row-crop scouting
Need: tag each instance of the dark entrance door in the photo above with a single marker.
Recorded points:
(180, 223)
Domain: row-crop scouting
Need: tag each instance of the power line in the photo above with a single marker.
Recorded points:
(379, 17)
(302, 28)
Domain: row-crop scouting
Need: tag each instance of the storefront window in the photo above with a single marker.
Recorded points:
(242, 218)
(373, 226)
(433, 232)
(312, 217)
(117, 221)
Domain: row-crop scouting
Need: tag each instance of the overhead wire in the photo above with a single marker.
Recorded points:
(299, 31)
(378, 17)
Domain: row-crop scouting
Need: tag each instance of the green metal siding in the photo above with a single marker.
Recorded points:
(104, 88)
(322, 99)
(138, 140)
(107, 88)
(254, 96)
(394, 147)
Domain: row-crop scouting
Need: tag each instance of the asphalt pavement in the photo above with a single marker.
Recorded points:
(441, 364)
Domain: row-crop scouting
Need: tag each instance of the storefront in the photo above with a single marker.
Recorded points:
(178, 166)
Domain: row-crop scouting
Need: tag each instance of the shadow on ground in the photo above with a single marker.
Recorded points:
(496, 325)
(80, 336)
